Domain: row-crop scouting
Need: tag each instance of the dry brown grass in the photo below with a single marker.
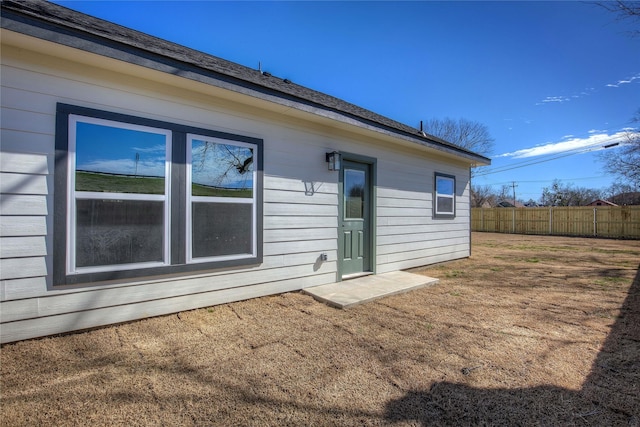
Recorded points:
(529, 331)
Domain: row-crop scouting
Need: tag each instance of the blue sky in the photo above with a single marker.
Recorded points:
(544, 77)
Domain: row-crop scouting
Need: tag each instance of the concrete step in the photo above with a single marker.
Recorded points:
(368, 288)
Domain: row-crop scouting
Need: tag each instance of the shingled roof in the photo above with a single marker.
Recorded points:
(43, 19)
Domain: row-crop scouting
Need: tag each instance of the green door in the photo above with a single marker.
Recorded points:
(355, 219)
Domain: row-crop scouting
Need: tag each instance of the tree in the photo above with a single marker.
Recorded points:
(481, 194)
(622, 194)
(625, 10)
(464, 133)
(624, 161)
(567, 195)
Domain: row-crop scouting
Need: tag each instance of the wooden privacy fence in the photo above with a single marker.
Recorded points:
(602, 221)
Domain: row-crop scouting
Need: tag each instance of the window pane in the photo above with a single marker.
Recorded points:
(354, 194)
(445, 205)
(444, 185)
(221, 229)
(221, 170)
(117, 160)
(118, 232)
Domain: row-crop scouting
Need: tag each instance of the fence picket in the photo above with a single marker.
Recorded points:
(603, 221)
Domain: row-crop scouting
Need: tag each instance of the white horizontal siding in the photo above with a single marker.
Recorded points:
(16, 268)
(284, 222)
(22, 288)
(422, 254)
(425, 258)
(431, 227)
(407, 234)
(393, 239)
(13, 204)
(18, 247)
(23, 209)
(300, 197)
(297, 234)
(288, 209)
(18, 183)
(22, 226)
(88, 300)
(273, 182)
(388, 202)
(64, 322)
(25, 163)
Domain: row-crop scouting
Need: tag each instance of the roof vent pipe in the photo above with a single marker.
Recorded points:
(422, 130)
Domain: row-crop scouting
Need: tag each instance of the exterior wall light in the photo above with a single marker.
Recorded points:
(334, 159)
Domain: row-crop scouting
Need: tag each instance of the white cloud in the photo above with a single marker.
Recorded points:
(560, 99)
(552, 99)
(160, 148)
(625, 81)
(595, 141)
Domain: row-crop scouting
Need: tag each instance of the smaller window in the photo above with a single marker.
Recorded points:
(445, 196)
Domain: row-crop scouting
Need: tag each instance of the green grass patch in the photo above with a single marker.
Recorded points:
(607, 282)
(454, 273)
(203, 190)
(105, 183)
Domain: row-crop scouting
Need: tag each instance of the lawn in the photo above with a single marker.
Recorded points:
(528, 331)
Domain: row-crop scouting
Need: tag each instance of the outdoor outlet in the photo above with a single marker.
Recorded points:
(324, 257)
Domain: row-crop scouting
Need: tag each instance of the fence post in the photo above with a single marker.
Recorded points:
(595, 225)
(513, 220)
(550, 219)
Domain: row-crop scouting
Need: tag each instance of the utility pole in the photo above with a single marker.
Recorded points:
(514, 185)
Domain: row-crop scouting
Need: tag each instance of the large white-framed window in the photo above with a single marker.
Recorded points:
(138, 197)
(221, 199)
(118, 195)
(444, 205)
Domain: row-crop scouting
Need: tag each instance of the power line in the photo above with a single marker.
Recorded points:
(548, 180)
(565, 153)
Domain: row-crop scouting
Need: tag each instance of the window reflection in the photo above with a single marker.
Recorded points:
(221, 170)
(445, 185)
(119, 160)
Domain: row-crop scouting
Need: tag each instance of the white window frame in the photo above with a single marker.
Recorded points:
(206, 199)
(73, 195)
(437, 195)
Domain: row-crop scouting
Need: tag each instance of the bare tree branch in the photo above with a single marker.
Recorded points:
(464, 133)
(624, 10)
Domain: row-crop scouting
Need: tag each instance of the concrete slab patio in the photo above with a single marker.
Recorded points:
(368, 288)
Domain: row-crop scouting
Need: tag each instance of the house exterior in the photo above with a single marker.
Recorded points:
(600, 202)
(509, 203)
(141, 178)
